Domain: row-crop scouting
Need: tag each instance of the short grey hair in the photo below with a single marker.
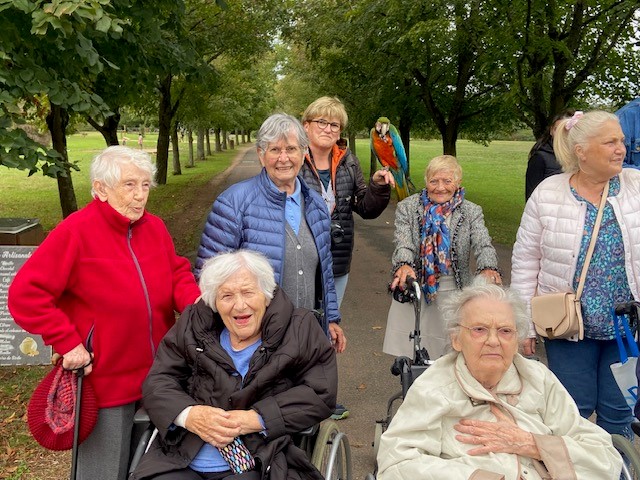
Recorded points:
(217, 270)
(106, 167)
(278, 127)
(451, 307)
(584, 129)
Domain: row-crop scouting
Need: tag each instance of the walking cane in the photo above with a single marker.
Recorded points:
(76, 424)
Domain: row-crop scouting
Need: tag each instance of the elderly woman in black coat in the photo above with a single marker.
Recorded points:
(240, 372)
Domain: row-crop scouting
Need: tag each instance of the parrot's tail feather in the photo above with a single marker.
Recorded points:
(412, 187)
(402, 191)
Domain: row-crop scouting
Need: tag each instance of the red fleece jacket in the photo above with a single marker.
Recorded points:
(96, 269)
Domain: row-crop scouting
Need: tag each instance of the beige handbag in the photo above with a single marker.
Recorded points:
(559, 315)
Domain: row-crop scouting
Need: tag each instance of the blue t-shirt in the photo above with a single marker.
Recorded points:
(208, 458)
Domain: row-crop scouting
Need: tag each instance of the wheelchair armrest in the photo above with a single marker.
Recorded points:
(141, 416)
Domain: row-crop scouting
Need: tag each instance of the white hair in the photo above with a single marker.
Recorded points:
(217, 270)
(451, 307)
(106, 167)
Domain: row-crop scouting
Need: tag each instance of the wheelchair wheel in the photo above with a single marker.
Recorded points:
(332, 453)
(380, 428)
(630, 457)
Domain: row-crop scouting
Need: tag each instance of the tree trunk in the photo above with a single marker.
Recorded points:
(352, 142)
(225, 136)
(177, 169)
(217, 137)
(57, 121)
(109, 129)
(200, 144)
(207, 143)
(237, 135)
(373, 165)
(165, 115)
(449, 139)
(190, 140)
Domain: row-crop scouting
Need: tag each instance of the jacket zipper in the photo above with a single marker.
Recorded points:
(144, 288)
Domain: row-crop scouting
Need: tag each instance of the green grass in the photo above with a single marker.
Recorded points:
(37, 196)
(493, 178)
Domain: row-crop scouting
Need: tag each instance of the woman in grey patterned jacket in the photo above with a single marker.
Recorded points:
(436, 232)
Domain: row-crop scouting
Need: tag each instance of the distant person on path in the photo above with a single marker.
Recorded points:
(140, 141)
(336, 175)
(107, 276)
(437, 231)
(551, 247)
(277, 214)
(542, 160)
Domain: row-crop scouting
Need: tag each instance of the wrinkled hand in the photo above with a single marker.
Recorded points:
(213, 425)
(338, 339)
(400, 277)
(501, 436)
(249, 420)
(383, 177)
(529, 346)
(492, 276)
(76, 358)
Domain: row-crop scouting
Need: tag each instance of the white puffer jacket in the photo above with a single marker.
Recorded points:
(548, 240)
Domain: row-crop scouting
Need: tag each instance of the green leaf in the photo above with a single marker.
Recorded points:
(103, 24)
(26, 75)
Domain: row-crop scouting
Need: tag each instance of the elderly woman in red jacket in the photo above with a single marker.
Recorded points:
(103, 289)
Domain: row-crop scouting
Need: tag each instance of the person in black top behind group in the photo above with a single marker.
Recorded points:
(542, 159)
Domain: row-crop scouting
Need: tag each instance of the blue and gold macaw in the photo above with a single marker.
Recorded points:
(387, 146)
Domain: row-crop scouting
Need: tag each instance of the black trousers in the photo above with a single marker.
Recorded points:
(188, 474)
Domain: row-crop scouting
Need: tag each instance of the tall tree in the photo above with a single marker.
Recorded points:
(48, 52)
(568, 52)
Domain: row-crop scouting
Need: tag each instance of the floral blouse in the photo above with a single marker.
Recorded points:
(606, 282)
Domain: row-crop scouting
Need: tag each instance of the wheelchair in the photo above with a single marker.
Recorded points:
(326, 446)
(404, 367)
(409, 370)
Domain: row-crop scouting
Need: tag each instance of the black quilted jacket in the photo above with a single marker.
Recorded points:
(292, 383)
(352, 195)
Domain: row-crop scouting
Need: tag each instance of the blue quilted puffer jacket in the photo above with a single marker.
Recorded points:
(250, 214)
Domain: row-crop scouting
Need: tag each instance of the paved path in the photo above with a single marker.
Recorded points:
(365, 379)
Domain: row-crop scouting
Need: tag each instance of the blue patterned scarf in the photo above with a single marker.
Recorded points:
(435, 242)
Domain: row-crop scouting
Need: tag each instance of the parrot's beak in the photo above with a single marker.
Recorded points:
(384, 128)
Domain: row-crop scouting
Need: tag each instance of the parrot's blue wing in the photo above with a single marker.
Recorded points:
(399, 148)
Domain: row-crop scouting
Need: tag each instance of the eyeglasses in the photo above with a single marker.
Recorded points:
(322, 123)
(482, 333)
(289, 151)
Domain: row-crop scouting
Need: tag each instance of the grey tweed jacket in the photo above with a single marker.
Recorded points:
(468, 232)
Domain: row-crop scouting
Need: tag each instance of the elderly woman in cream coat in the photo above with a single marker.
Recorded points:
(437, 230)
(484, 412)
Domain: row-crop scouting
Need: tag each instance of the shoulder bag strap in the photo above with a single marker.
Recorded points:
(592, 243)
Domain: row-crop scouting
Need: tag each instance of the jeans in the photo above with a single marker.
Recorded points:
(583, 368)
(341, 286)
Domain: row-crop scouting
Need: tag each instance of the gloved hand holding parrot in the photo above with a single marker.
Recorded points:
(387, 146)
